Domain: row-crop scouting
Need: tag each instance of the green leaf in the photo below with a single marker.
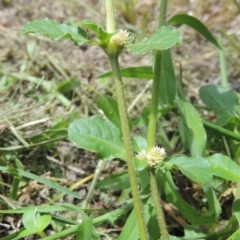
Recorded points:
(44, 181)
(110, 109)
(42, 222)
(133, 72)
(214, 206)
(130, 230)
(29, 219)
(56, 31)
(196, 168)
(185, 209)
(162, 39)
(98, 135)
(102, 35)
(193, 232)
(224, 167)
(195, 24)
(193, 127)
(234, 236)
(67, 85)
(139, 143)
(42, 208)
(117, 181)
(222, 101)
(236, 209)
(25, 233)
(84, 230)
(168, 87)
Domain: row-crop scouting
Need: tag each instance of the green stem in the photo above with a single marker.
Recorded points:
(98, 172)
(154, 102)
(113, 57)
(15, 186)
(221, 130)
(156, 82)
(158, 205)
(128, 147)
(153, 124)
(162, 13)
(224, 79)
(110, 21)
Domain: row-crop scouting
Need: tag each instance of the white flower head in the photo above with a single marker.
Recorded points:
(121, 38)
(154, 157)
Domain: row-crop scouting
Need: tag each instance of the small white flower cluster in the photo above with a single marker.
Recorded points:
(155, 156)
(121, 38)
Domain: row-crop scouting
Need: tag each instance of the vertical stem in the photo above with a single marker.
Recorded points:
(15, 186)
(152, 127)
(110, 26)
(158, 206)
(110, 21)
(128, 148)
(224, 79)
(156, 81)
(162, 13)
(154, 102)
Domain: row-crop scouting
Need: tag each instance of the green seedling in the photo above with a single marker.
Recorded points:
(150, 169)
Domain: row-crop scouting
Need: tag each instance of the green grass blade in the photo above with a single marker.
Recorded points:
(43, 181)
(195, 24)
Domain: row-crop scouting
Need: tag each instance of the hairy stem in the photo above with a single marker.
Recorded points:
(158, 206)
(128, 148)
(113, 57)
(153, 124)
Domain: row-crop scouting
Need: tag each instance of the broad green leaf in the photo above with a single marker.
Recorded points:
(56, 31)
(133, 72)
(43, 222)
(196, 168)
(44, 181)
(98, 135)
(162, 39)
(110, 109)
(224, 167)
(139, 143)
(193, 127)
(168, 87)
(222, 101)
(185, 209)
(117, 181)
(195, 24)
(29, 219)
(236, 209)
(102, 35)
